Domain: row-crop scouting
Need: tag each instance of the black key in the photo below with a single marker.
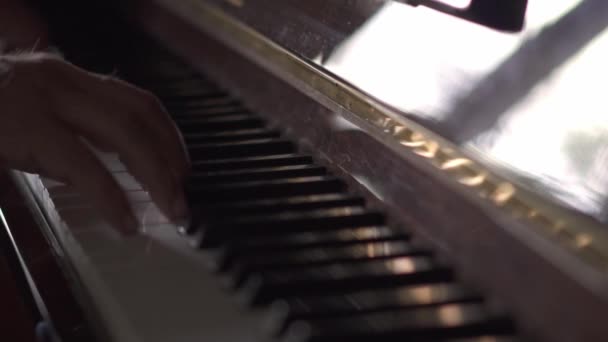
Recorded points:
(252, 162)
(170, 99)
(298, 240)
(183, 87)
(216, 105)
(241, 149)
(187, 92)
(207, 212)
(232, 136)
(329, 254)
(200, 117)
(148, 81)
(237, 227)
(302, 240)
(292, 260)
(485, 338)
(340, 277)
(186, 83)
(288, 310)
(205, 103)
(265, 189)
(258, 174)
(168, 93)
(306, 254)
(274, 206)
(440, 323)
(220, 124)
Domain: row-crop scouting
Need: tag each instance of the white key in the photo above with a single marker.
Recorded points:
(153, 287)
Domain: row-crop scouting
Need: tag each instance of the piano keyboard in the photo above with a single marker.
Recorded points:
(279, 248)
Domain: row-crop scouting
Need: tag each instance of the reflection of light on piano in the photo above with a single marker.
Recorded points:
(420, 144)
(558, 132)
(419, 295)
(451, 315)
(339, 123)
(371, 187)
(363, 234)
(341, 211)
(421, 61)
(377, 249)
(402, 265)
(428, 150)
(456, 3)
(583, 240)
(412, 143)
(488, 339)
(503, 193)
(455, 163)
(475, 180)
(413, 139)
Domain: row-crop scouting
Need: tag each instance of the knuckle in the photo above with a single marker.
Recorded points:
(108, 79)
(49, 60)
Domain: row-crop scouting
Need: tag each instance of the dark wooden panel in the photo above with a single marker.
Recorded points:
(17, 322)
(42, 263)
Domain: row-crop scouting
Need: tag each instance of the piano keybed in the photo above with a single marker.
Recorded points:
(287, 237)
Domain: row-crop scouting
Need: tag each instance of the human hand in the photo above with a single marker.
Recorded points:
(49, 106)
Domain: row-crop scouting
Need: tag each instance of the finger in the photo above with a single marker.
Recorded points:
(61, 155)
(151, 111)
(142, 103)
(125, 134)
(149, 108)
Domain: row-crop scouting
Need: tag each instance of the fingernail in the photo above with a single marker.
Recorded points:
(130, 226)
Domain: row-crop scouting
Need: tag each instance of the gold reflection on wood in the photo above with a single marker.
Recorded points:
(473, 181)
(456, 163)
(398, 129)
(585, 239)
(503, 193)
(428, 150)
(412, 139)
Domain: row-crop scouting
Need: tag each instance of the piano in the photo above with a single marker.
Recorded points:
(363, 170)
